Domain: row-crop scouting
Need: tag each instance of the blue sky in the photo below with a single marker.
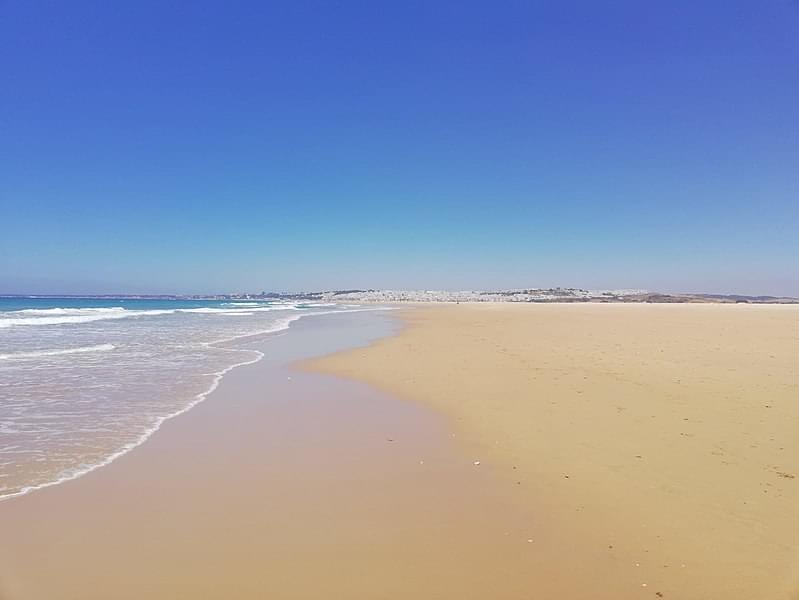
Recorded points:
(226, 146)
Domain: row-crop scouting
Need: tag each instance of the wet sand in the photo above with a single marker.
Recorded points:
(282, 484)
(659, 442)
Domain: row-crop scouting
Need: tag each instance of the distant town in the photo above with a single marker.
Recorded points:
(557, 294)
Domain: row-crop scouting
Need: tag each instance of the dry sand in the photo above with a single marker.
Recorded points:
(657, 445)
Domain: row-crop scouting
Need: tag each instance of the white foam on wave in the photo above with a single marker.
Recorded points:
(287, 321)
(65, 311)
(245, 304)
(232, 311)
(281, 325)
(84, 469)
(217, 378)
(214, 311)
(41, 353)
(61, 316)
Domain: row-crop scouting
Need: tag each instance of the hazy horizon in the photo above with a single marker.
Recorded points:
(155, 148)
(257, 290)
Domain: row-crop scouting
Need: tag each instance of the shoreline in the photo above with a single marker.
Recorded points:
(284, 474)
(446, 480)
(282, 326)
(138, 442)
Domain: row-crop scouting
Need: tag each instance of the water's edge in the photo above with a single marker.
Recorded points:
(283, 326)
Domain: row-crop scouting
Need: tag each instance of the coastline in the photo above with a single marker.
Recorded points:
(658, 439)
(284, 483)
(287, 472)
(282, 326)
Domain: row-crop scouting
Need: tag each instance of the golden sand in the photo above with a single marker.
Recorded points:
(658, 444)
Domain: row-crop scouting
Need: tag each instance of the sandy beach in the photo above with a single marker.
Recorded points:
(485, 451)
(657, 444)
(282, 484)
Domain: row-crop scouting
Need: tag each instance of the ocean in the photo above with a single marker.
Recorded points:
(82, 380)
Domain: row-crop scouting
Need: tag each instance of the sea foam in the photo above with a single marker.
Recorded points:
(61, 316)
(65, 351)
(121, 377)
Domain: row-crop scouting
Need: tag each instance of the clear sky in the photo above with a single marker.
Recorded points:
(156, 146)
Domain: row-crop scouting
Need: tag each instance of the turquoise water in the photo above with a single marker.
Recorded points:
(84, 380)
(34, 302)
